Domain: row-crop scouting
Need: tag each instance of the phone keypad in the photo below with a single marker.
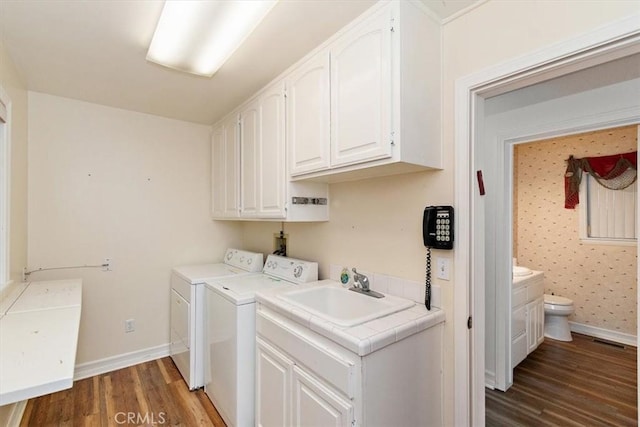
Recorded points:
(443, 227)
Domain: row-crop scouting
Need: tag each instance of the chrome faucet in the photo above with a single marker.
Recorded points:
(361, 285)
(360, 280)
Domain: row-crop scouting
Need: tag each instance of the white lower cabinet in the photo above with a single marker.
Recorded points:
(314, 400)
(287, 395)
(306, 379)
(527, 318)
(535, 323)
(273, 386)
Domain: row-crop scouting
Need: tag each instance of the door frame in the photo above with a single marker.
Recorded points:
(615, 40)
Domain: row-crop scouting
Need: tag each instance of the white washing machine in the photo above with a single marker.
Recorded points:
(187, 308)
(231, 334)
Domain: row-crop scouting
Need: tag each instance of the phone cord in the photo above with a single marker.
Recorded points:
(427, 288)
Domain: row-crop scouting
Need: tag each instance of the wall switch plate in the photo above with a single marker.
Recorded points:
(442, 268)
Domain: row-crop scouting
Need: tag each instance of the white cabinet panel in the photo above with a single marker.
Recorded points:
(361, 92)
(308, 116)
(225, 158)
(271, 165)
(249, 166)
(314, 401)
(273, 386)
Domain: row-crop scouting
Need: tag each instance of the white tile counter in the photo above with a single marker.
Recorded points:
(361, 339)
(38, 339)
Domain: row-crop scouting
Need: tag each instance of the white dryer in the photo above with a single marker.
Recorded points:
(187, 308)
(231, 334)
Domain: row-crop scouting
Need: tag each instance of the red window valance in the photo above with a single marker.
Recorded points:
(607, 170)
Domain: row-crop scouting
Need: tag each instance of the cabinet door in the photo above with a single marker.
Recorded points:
(231, 166)
(271, 160)
(250, 149)
(273, 386)
(361, 92)
(308, 116)
(224, 169)
(315, 404)
(534, 323)
(540, 320)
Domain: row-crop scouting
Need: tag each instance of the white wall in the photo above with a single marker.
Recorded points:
(110, 183)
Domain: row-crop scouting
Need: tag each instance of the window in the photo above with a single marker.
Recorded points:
(5, 174)
(607, 216)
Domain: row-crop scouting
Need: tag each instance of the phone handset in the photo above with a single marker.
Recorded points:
(437, 233)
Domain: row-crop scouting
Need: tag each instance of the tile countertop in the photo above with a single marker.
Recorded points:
(39, 327)
(361, 339)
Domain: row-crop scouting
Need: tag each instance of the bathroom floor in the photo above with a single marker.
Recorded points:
(583, 382)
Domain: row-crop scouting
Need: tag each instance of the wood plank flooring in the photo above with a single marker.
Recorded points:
(578, 383)
(151, 393)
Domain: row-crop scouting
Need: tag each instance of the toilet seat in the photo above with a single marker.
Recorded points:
(557, 300)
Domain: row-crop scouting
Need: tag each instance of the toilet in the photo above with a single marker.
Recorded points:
(557, 310)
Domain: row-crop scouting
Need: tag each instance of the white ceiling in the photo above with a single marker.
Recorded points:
(94, 50)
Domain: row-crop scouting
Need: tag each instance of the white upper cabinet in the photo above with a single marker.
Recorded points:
(361, 92)
(265, 192)
(250, 155)
(271, 158)
(262, 165)
(225, 157)
(308, 115)
(384, 98)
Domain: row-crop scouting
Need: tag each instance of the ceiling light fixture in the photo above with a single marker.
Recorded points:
(198, 36)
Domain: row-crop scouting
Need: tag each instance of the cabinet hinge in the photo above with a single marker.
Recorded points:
(285, 93)
(392, 27)
(469, 323)
(393, 142)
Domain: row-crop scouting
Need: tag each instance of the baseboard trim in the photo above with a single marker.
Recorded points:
(97, 367)
(16, 413)
(593, 331)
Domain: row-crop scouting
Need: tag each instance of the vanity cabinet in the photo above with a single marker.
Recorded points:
(304, 378)
(378, 81)
(225, 157)
(527, 316)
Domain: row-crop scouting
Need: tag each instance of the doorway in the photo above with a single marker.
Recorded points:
(474, 154)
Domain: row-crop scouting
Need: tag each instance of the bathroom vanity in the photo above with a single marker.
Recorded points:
(527, 318)
(337, 370)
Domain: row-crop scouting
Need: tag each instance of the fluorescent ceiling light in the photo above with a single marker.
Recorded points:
(198, 36)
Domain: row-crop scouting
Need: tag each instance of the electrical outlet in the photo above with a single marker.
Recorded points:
(107, 264)
(129, 325)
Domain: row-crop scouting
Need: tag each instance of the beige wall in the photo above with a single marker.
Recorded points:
(15, 87)
(376, 223)
(110, 183)
(600, 279)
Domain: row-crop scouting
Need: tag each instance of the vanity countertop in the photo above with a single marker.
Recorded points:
(39, 325)
(361, 339)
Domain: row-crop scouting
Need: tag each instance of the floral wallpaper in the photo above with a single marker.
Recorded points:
(600, 279)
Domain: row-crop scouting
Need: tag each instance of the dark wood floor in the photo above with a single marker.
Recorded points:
(578, 383)
(152, 393)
